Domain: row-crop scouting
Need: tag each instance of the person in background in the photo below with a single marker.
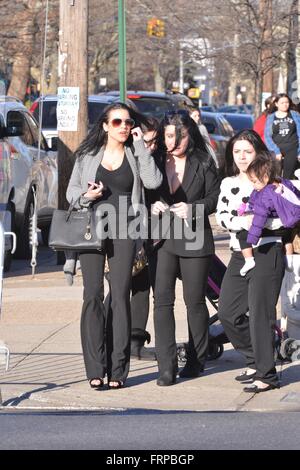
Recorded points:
(196, 116)
(282, 134)
(259, 124)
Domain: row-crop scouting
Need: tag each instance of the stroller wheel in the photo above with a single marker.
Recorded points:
(182, 353)
(285, 349)
(296, 353)
(214, 351)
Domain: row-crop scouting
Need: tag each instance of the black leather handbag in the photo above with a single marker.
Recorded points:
(75, 230)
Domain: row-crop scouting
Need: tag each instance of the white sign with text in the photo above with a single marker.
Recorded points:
(67, 108)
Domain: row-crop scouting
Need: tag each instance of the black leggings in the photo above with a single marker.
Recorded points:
(194, 272)
(106, 341)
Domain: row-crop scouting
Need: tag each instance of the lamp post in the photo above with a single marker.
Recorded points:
(122, 49)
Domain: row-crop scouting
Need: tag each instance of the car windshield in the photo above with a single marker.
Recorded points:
(49, 120)
(95, 109)
(155, 107)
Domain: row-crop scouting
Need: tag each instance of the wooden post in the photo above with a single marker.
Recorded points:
(265, 9)
(73, 28)
(72, 71)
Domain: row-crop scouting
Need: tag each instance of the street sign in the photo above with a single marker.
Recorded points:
(67, 108)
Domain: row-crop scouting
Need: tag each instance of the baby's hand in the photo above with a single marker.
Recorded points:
(243, 208)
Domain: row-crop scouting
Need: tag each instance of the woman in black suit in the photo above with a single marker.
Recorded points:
(188, 194)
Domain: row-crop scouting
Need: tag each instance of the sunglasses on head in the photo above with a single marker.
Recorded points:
(117, 122)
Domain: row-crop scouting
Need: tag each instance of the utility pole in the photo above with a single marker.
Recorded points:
(122, 50)
(265, 9)
(72, 65)
(72, 72)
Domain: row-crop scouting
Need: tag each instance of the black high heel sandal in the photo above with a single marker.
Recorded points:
(119, 384)
(98, 385)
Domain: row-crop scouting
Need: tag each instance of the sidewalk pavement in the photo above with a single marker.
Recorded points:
(40, 323)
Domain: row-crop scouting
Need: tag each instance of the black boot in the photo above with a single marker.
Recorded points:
(138, 350)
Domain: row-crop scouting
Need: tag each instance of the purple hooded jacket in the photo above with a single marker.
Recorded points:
(268, 203)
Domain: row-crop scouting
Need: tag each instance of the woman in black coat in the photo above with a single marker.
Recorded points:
(187, 195)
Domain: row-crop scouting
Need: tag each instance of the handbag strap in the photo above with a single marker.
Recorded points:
(71, 207)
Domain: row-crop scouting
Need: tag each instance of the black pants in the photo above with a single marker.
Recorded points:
(257, 293)
(290, 160)
(139, 304)
(194, 272)
(106, 341)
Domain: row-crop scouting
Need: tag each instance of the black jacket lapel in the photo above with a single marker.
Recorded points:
(190, 172)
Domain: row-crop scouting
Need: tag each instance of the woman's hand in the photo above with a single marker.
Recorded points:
(137, 133)
(181, 209)
(158, 207)
(94, 191)
(279, 156)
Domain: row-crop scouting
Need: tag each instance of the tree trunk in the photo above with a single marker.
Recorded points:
(291, 51)
(22, 59)
(20, 76)
(258, 94)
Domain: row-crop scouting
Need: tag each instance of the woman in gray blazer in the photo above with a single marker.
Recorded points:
(112, 165)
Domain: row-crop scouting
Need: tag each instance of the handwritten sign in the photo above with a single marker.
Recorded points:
(67, 109)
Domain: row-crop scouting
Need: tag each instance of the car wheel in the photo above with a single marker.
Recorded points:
(24, 238)
(45, 235)
(214, 351)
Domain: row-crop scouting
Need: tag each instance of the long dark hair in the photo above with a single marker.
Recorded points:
(180, 119)
(230, 168)
(273, 106)
(97, 137)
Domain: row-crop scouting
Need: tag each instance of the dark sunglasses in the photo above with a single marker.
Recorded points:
(117, 122)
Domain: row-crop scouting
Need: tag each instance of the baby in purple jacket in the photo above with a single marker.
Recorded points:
(272, 197)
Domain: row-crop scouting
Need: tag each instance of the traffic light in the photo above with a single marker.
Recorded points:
(156, 27)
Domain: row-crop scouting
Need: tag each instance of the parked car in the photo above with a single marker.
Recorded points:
(96, 104)
(239, 121)
(210, 108)
(242, 109)
(24, 169)
(220, 131)
(155, 104)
